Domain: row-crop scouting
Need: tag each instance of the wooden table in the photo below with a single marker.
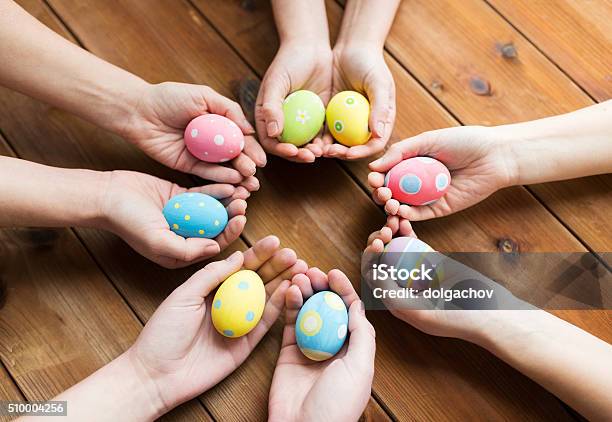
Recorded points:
(71, 300)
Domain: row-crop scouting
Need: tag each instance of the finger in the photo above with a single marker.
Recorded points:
(372, 147)
(339, 283)
(236, 207)
(250, 183)
(376, 247)
(232, 231)
(392, 206)
(303, 283)
(254, 150)
(274, 92)
(376, 180)
(305, 156)
(216, 190)
(282, 149)
(241, 193)
(382, 195)
(293, 303)
(411, 147)
(273, 309)
(300, 267)
(362, 342)
(316, 149)
(208, 278)
(381, 93)
(278, 263)
(393, 223)
(418, 213)
(405, 228)
(335, 151)
(219, 104)
(260, 252)
(183, 251)
(244, 165)
(318, 279)
(214, 172)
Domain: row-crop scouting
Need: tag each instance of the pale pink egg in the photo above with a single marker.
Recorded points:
(418, 181)
(214, 138)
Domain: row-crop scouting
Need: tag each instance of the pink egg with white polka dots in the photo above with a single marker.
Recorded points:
(418, 181)
(214, 138)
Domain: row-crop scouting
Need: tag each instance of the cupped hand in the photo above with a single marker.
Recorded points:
(421, 313)
(479, 162)
(301, 387)
(295, 67)
(162, 113)
(363, 69)
(132, 206)
(180, 350)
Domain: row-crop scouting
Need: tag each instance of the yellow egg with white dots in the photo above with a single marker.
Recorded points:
(238, 304)
(347, 118)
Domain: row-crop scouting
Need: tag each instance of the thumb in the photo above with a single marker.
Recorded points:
(272, 106)
(362, 345)
(208, 278)
(411, 147)
(382, 95)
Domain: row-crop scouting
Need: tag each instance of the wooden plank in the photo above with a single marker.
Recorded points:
(576, 35)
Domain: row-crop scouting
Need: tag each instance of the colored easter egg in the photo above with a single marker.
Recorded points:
(347, 116)
(193, 214)
(238, 304)
(304, 115)
(418, 181)
(321, 326)
(214, 138)
(407, 253)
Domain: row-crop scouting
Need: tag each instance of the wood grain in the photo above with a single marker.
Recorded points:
(330, 203)
(576, 35)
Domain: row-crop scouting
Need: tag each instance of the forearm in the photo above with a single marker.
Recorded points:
(569, 362)
(562, 147)
(302, 21)
(35, 195)
(120, 390)
(42, 64)
(367, 22)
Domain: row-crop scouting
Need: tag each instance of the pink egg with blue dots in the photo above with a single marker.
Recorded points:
(214, 138)
(418, 181)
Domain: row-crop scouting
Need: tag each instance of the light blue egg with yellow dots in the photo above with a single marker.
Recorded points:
(321, 326)
(193, 214)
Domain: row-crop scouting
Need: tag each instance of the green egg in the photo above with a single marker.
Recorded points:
(304, 116)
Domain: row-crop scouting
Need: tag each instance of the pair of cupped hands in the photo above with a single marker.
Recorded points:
(179, 353)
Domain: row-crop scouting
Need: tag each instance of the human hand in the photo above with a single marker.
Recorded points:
(131, 206)
(362, 68)
(180, 352)
(479, 161)
(296, 66)
(471, 325)
(301, 387)
(160, 116)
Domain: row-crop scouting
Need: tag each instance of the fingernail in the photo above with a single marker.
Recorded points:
(248, 126)
(235, 257)
(272, 128)
(211, 249)
(380, 129)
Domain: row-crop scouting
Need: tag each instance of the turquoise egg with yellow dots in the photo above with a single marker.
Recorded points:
(321, 326)
(193, 214)
(238, 304)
